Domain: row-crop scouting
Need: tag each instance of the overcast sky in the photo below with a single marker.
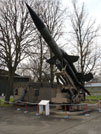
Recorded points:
(93, 7)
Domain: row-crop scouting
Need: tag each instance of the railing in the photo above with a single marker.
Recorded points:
(81, 108)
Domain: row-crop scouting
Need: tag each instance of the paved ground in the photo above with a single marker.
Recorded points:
(16, 122)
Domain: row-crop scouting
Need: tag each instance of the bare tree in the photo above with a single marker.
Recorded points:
(84, 35)
(15, 36)
(53, 16)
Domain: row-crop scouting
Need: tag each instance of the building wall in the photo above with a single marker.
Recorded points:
(94, 88)
(37, 92)
(18, 81)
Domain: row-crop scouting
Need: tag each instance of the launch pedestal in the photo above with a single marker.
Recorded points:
(59, 97)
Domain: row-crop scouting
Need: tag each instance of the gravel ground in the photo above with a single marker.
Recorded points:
(18, 122)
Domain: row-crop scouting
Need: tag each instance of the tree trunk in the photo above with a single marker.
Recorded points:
(41, 59)
(10, 87)
(51, 70)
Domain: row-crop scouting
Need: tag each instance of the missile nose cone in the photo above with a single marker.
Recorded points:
(37, 21)
(26, 4)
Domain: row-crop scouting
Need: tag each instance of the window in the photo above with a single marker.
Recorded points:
(16, 91)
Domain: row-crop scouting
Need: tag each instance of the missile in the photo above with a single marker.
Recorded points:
(59, 55)
(45, 33)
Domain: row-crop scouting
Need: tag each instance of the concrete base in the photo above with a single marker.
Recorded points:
(18, 109)
(71, 113)
(37, 114)
(66, 117)
(25, 112)
(87, 115)
(99, 109)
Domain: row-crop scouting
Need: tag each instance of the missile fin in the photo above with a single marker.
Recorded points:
(73, 58)
(52, 60)
(86, 77)
(70, 58)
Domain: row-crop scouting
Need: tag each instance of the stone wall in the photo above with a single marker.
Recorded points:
(36, 92)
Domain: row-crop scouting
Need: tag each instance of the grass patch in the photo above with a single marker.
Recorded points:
(93, 98)
(3, 99)
(99, 97)
(6, 105)
(3, 104)
(90, 101)
(11, 99)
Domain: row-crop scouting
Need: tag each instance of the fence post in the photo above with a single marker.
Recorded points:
(65, 108)
(81, 107)
(86, 108)
(99, 105)
(25, 108)
(37, 108)
(86, 111)
(66, 116)
(18, 107)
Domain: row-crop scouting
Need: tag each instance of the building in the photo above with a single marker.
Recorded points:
(94, 87)
(18, 80)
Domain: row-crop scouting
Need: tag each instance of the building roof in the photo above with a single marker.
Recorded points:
(5, 73)
(42, 84)
(93, 85)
